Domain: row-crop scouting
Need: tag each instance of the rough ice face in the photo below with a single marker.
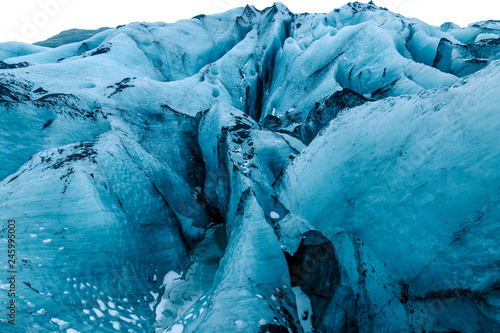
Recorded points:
(255, 171)
(413, 178)
(76, 212)
(253, 273)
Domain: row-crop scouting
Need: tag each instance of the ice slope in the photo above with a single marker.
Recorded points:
(415, 179)
(254, 275)
(255, 171)
(75, 215)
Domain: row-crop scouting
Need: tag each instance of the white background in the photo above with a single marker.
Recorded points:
(36, 20)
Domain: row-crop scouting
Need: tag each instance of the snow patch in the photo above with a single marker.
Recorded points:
(113, 313)
(304, 309)
(98, 313)
(71, 330)
(116, 325)
(274, 215)
(101, 305)
(61, 323)
(170, 278)
(177, 328)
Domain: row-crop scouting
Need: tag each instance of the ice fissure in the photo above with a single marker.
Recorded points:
(256, 171)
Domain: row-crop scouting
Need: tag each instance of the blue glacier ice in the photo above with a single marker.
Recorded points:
(255, 171)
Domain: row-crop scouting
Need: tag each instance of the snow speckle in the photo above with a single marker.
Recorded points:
(62, 324)
(116, 325)
(101, 305)
(274, 215)
(114, 313)
(155, 295)
(98, 313)
(170, 278)
(304, 309)
(71, 330)
(46, 241)
(127, 319)
(177, 328)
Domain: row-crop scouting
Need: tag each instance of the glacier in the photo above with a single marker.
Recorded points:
(255, 171)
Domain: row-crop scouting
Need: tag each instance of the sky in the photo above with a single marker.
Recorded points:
(36, 20)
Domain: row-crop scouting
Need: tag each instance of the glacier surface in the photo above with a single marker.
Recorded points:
(255, 171)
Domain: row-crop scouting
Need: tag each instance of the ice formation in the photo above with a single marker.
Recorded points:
(255, 171)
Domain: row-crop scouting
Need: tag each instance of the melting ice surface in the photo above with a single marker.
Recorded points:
(255, 171)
